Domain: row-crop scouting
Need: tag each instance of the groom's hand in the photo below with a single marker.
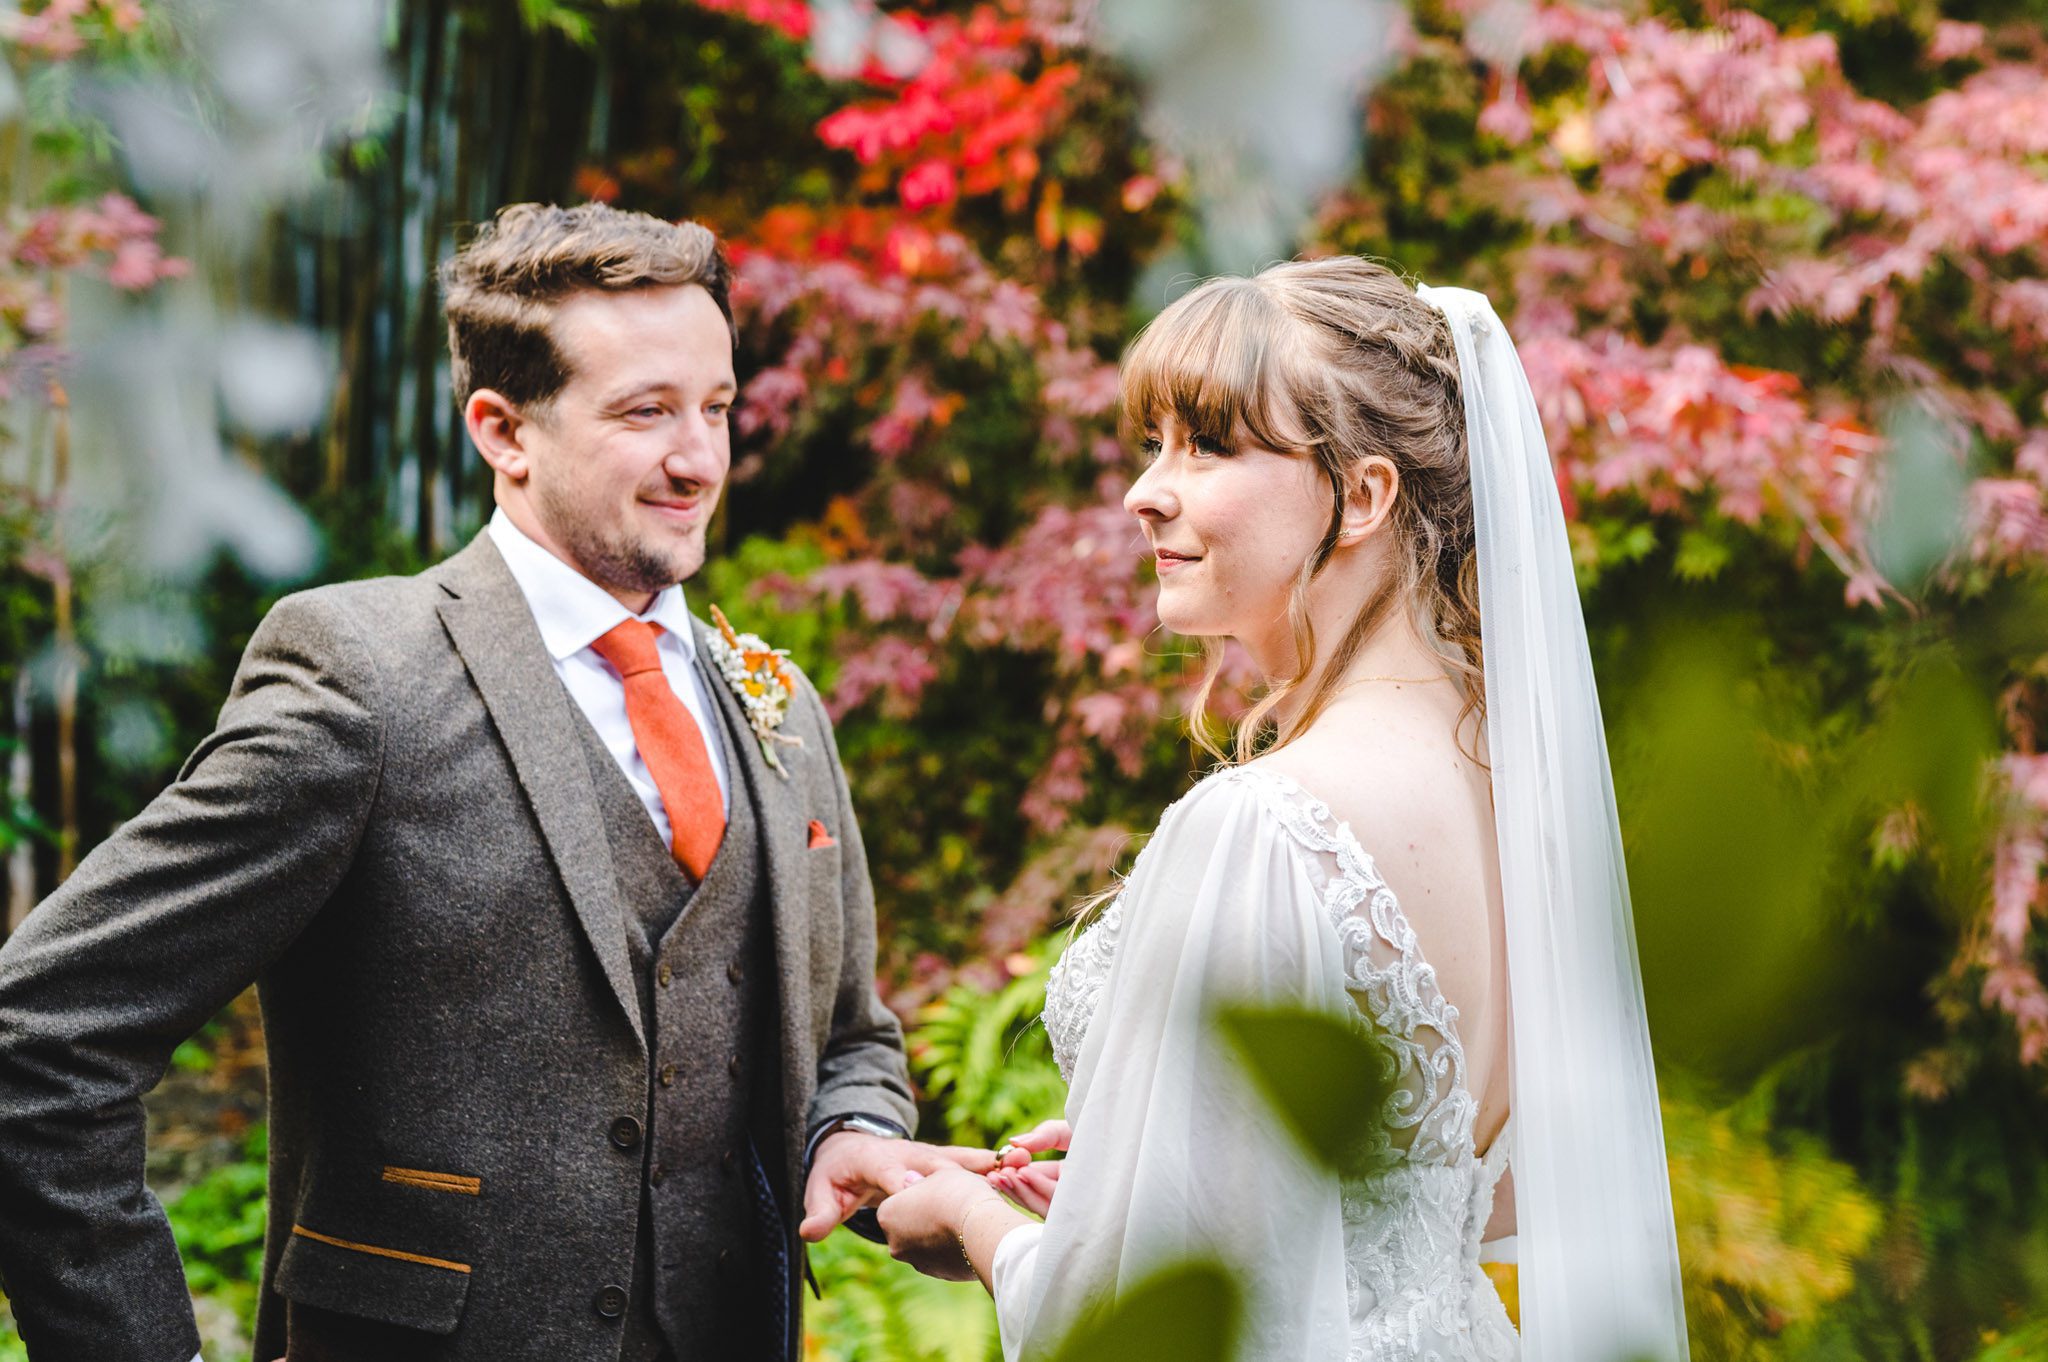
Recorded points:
(851, 1170)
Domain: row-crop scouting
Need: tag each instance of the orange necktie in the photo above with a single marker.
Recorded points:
(670, 743)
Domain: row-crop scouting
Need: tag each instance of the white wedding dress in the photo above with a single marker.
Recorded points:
(1250, 890)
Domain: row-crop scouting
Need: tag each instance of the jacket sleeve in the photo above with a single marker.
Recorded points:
(159, 928)
(861, 1069)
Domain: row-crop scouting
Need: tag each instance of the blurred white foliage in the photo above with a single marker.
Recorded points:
(133, 736)
(150, 632)
(1918, 520)
(1501, 33)
(244, 120)
(281, 81)
(152, 465)
(274, 378)
(1262, 100)
(845, 33)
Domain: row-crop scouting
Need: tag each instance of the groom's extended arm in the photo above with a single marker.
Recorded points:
(861, 1070)
(163, 924)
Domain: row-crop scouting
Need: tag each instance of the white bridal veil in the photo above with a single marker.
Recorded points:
(1597, 1250)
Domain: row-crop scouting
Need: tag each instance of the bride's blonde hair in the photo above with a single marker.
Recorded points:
(1338, 359)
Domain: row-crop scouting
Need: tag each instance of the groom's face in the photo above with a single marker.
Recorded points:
(627, 463)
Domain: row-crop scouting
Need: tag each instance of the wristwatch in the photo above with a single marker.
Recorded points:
(866, 1125)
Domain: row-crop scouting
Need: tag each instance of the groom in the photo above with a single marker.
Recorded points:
(567, 986)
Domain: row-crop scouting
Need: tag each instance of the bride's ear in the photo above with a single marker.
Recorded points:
(1369, 504)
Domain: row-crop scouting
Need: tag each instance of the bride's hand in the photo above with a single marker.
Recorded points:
(924, 1222)
(1031, 1185)
(1047, 1137)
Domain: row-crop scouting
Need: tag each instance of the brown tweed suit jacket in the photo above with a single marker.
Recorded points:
(394, 832)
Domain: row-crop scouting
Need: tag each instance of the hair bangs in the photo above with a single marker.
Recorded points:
(1216, 360)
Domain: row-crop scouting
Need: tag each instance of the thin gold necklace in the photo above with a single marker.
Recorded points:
(1410, 680)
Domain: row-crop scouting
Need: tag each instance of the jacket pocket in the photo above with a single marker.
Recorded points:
(373, 1281)
(825, 901)
(434, 1182)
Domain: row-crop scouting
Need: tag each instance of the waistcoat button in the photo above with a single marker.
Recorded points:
(611, 1301)
(668, 1075)
(626, 1133)
(734, 973)
(663, 974)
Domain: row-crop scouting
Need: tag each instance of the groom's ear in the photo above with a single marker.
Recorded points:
(499, 429)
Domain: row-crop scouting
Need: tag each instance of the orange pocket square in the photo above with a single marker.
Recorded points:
(820, 837)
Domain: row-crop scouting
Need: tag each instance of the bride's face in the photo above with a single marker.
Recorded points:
(1230, 527)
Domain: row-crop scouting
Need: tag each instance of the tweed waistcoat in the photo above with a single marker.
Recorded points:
(708, 1278)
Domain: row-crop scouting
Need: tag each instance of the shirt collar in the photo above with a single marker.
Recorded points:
(572, 611)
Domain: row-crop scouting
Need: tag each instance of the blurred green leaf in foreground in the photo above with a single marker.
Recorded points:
(1291, 1056)
(1187, 1313)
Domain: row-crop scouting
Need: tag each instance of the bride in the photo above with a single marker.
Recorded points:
(1347, 476)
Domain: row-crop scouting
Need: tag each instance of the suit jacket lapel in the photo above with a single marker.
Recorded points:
(784, 840)
(493, 629)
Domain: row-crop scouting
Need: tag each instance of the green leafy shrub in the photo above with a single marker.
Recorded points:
(875, 1307)
(218, 1222)
(985, 1060)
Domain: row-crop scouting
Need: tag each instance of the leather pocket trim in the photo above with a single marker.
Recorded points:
(435, 1182)
(402, 1257)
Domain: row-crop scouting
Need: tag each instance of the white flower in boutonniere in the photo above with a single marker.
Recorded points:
(764, 682)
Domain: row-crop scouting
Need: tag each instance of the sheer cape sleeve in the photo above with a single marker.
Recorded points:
(1174, 1154)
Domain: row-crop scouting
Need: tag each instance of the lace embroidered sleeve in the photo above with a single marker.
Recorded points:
(1174, 1155)
(1430, 1112)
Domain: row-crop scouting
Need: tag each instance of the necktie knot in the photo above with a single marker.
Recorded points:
(629, 646)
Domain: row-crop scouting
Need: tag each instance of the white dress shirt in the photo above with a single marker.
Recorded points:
(573, 612)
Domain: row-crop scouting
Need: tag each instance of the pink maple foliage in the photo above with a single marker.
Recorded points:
(57, 30)
(1888, 198)
(110, 238)
(1823, 209)
(971, 118)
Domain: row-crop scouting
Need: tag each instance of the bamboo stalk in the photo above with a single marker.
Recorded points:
(13, 167)
(67, 640)
(21, 862)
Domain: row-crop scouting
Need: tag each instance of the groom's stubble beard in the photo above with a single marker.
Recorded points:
(615, 556)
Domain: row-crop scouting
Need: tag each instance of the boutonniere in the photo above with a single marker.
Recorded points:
(764, 682)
